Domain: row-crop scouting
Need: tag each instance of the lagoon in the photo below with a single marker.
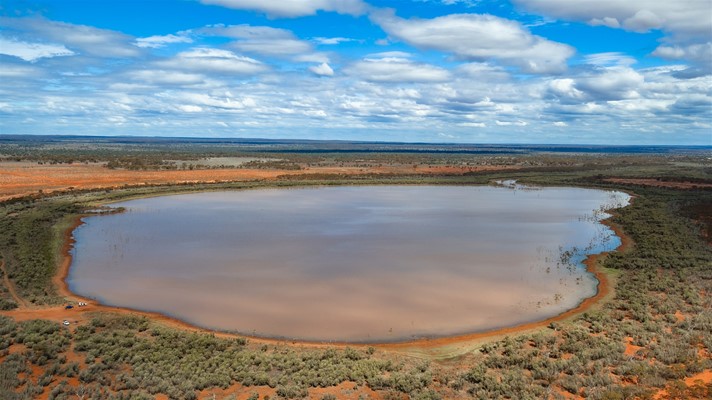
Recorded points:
(354, 263)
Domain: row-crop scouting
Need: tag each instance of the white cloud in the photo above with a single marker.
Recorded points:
(76, 38)
(32, 51)
(322, 69)
(612, 83)
(155, 42)
(294, 8)
(466, 3)
(390, 54)
(263, 40)
(203, 59)
(8, 70)
(680, 17)
(273, 47)
(609, 59)
(166, 77)
(565, 88)
(510, 123)
(478, 37)
(483, 71)
(245, 31)
(698, 53)
(603, 84)
(315, 57)
(379, 96)
(392, 69)
(190, 108)
(332, 40)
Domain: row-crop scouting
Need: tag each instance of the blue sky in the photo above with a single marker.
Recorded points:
(519, 71)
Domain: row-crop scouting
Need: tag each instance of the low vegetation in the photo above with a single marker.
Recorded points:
(653, 333)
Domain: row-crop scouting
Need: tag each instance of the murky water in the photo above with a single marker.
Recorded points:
(372, 263)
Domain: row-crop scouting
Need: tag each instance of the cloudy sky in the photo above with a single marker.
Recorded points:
(487, 71)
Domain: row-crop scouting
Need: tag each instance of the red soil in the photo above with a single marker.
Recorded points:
(25, 178)
(630, 348)
(702, 379)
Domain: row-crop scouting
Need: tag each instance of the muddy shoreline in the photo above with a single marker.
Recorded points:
(604, 288)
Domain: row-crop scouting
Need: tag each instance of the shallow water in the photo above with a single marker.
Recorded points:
(369, 263)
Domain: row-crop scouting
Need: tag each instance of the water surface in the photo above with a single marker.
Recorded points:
(369, 263)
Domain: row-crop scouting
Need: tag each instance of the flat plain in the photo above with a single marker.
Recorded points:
(645, 335)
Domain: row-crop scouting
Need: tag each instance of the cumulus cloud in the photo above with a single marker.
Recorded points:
(204, 59)
(294, 8)
(16, 71)
(699, 54)
(609, 59)
(264, 40)
(273, 47)
(32, 51)
(332, 40)
(466, 3)
(565, 89)
(162, 77)
(322, 69)
(687, 23)
(510, 123)
(393, 69)
(603, 84)
(388, 93)
(245, 31)
(483, 71)
(478, 37)
(612, 84)
(473, 124)
(159, 41)
(390, 54)
(680, 17)
(225, 102)
(81, 39)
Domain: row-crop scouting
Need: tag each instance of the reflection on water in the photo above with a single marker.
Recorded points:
(367, 263)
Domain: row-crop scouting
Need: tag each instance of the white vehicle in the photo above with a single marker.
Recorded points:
(66, 323)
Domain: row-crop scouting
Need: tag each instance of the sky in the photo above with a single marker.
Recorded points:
(469, 71)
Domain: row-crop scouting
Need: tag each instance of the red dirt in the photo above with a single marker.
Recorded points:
(630, 348)
(679, 316)
(25, 178)
(565, 394)
(657, 183)
(703, 378)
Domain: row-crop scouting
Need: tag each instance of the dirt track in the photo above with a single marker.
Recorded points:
(11, 287)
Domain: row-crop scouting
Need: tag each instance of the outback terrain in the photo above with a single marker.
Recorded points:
(646, 335)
